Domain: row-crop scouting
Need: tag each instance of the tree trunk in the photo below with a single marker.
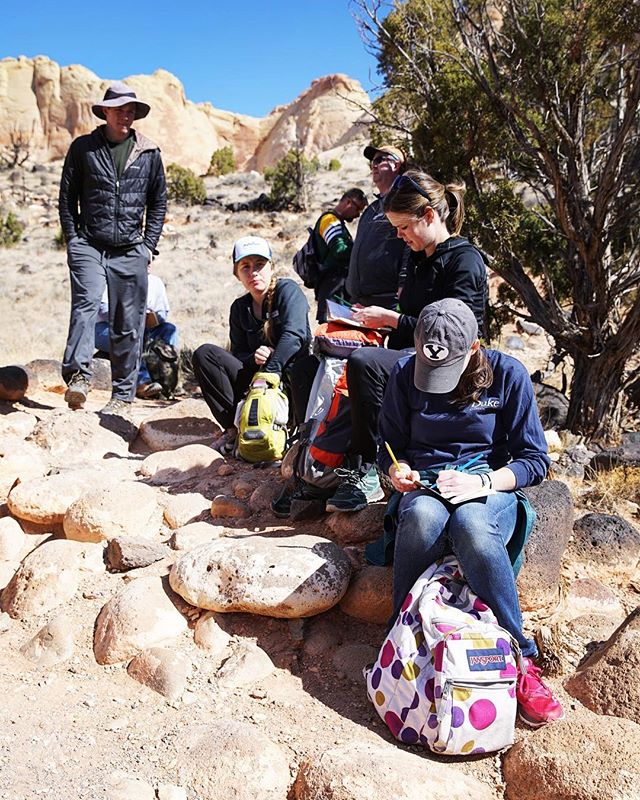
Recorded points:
(596, 398)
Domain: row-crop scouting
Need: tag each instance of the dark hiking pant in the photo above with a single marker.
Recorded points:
(224, 380)
(124, 271)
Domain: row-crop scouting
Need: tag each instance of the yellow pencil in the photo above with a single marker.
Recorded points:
(397, 466)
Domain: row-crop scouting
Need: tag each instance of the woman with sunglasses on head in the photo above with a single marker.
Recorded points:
(268, 330)
(428, 216)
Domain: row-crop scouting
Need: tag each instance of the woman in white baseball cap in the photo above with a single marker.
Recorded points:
(449, 407)
(268, 330)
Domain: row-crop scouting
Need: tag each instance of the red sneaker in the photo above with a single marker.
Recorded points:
(536, 703)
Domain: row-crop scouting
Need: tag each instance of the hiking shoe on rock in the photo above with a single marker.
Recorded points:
(117, 407)
(149, 391)
(536, 702)
(356, 491)
(77, 391)
(281, 505)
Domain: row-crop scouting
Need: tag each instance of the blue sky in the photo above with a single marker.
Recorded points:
(243, 55)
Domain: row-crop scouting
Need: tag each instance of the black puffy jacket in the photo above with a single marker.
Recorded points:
(108, 211)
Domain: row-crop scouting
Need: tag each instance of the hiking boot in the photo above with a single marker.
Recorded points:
(117, 407)
(149, 391)
(356, 490)
(77, 391)
(536, 702)
(281, 505)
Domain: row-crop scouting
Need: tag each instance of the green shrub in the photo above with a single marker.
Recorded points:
(222, 162)
(334, 165)
(184, 186)
(288, 180)
(11, 230)
(58, 240)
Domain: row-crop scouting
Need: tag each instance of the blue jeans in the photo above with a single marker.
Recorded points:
(476, 532)
(165, 331)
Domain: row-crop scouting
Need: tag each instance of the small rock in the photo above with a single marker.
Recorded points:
(127, 510)
(181, 509)
(552, 406)
(175, 466)
(242, 488)
(246, 665)
(514, 343)
(225, 469)
(262, 496)
(607, 540)
(52, 644)
(125, 554)
(363, 526)
(209, 635)
(288, 462)
(230, 759)
(194, 534)
(369, 595)
(124, 787)
(184, 423)
(554, 442)
(165, 671)
(225, 506)
(47, 372)
(140, 615)
(530, 328)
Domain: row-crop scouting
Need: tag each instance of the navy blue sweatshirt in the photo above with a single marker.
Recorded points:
(429, 433)
(291, 332)
(455, 269)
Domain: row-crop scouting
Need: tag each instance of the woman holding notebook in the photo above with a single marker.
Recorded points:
(460, 420)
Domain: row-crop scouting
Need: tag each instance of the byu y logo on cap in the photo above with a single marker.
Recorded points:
(434, 351)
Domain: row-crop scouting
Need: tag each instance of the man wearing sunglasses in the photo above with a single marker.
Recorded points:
(378, 259)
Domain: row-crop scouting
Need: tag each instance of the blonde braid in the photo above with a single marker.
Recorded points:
(271, 297)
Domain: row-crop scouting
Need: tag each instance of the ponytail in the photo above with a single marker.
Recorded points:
(454, 196)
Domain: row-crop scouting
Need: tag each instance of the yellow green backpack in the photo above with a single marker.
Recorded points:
(261, 420)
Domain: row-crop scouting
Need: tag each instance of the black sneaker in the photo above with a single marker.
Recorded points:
(281, 505)
(356, 491)
(77, 391)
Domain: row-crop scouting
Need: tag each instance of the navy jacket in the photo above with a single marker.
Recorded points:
(429, 433)
(108, 211)
(291, 332)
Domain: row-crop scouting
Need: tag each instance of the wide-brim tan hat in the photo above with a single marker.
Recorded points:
(119, 94)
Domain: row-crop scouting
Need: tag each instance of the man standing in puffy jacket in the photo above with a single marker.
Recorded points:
(112, 205)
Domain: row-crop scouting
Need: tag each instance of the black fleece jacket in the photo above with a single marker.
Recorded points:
(291, 332)
(106, 210)
(455, 269)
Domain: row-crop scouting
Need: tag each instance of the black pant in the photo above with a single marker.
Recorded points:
(301, 377)
(368, 371)
(331, 285)
(224, 380)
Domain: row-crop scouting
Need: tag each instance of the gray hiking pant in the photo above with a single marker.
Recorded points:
(125, 274)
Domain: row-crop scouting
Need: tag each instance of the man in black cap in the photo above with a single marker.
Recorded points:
(112, 205)
(378, 258)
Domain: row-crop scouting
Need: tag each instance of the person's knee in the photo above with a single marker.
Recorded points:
(201, 355)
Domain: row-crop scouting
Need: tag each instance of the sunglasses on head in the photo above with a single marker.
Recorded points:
(403, 180)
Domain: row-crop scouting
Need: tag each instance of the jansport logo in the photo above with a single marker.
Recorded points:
(479, 660)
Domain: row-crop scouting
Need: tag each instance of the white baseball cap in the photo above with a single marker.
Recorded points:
(251, 246)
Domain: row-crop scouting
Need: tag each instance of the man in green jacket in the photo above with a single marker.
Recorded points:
(333, 244)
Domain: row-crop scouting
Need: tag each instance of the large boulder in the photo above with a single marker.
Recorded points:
(363, 770)
(48, 577)
(46, 500)
(232, 759)
(75, 437)
(538, 581)
(127, 510)
(296, 576)
(141, 614)
(607, 540)
(48, 374)
(184, 423)
(608, 681)
(175, 466)
(584, 757)
(182, 509)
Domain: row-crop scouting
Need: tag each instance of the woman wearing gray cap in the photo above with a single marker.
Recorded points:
(268, 329)
(451, 405)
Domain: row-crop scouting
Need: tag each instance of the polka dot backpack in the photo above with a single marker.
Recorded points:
(446, 673)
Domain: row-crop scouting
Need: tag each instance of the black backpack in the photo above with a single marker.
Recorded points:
(305, 262)
(161, 359)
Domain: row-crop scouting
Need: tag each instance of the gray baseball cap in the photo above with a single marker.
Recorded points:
(445, 332)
